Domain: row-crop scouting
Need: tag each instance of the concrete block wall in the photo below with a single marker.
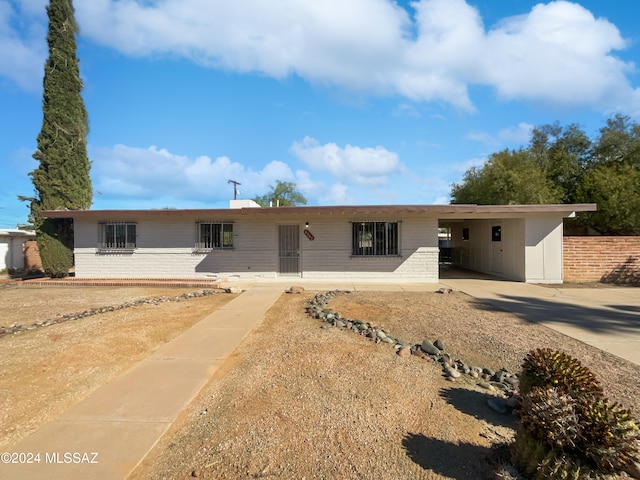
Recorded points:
(595, 259)
(421, 265)
(165, 249)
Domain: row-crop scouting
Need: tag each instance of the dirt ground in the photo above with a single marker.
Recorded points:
(44, 371)
(299, 402)
(294, 400)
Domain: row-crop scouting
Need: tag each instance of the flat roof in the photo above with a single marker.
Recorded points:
(16, 232)
(453, 211)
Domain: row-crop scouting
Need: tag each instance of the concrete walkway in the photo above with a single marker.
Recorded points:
(121, 421)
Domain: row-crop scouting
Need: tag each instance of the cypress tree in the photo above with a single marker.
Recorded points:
(62, 178)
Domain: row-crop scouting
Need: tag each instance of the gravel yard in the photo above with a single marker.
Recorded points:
(297, 401)
(294, 400)
(45, 370)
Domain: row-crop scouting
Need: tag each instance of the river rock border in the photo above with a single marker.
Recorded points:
(432, 351)
(18, 327)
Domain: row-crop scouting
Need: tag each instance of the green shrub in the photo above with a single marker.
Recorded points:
(57, 258)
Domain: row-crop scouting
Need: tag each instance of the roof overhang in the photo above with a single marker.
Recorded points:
(453, 212)
(8, 232)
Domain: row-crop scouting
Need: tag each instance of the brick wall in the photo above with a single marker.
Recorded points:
(32, 256)
(606, 259)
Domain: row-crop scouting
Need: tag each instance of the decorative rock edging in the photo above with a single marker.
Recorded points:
(501, 381)
(18, 327)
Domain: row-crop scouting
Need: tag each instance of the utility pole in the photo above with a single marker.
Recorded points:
(235, 188)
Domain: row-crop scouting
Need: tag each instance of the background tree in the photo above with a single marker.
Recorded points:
(62, 178)
(618, 143)
(616, 191)
(612, 180)
(561, 154)
(508, 177)
(562, 165)
(283, 194)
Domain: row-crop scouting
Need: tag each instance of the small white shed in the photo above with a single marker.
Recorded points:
(12, 248)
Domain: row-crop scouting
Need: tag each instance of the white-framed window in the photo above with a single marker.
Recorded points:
(375, 239)
(213, 236)
(117, 236)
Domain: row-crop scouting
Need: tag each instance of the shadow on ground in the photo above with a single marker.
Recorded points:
(617, 319)
(464, 461)
(474, 403)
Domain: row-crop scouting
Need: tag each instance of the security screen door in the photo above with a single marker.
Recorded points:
(289, 249)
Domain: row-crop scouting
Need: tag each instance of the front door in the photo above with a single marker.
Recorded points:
(497, 257)
(289, 249)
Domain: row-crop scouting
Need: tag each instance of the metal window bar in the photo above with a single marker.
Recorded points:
(117, 236)
(375, 238)
(227, 235)
(214, 235)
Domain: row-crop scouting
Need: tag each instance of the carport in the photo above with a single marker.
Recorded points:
(515, 242)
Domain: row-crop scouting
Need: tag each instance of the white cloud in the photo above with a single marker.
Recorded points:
(337, 194)
(482, 137)
(127, 177)
(462, 167)
(407, 110)
(557, 53)
(33, 7)
(22, 43)
(365, 166)
(517, 135)
(514, 136)
(146, 173)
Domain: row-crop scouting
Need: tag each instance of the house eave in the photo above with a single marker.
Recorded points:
(453, 211)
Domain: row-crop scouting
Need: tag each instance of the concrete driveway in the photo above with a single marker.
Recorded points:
(605, 317)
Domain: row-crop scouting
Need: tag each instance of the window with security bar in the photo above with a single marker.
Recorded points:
(214, 236)
(375, 239)
(117, 236)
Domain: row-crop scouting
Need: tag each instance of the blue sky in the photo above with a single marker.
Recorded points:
(358, 102)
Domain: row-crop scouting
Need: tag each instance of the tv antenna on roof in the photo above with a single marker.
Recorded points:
(236, 192)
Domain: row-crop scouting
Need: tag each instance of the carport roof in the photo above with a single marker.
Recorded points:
(455, 211)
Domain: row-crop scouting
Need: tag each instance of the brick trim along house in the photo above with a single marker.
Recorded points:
(391, 243)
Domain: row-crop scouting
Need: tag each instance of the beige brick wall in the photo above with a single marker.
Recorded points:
(165, 249)
(609, 259)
